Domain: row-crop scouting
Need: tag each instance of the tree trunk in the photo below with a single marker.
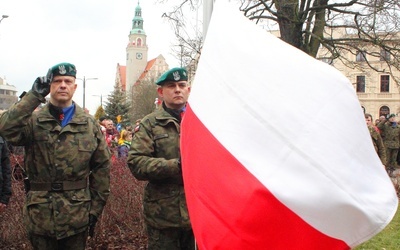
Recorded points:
(289, 22)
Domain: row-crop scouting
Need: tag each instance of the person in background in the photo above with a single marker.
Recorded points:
(67, 162)
(390, 132)
(376, 139)
(137, 123)
(5, 175)
(155, 157)
(112, 134)
(126, 127)
(102, 126)
(124, 146)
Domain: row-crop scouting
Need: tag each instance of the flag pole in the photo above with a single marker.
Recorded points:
(207, 11)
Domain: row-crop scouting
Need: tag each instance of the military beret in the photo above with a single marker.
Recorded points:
(173, 75)
(391, 115)
(64, 69)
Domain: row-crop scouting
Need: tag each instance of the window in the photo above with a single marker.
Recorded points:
(384, 111)
(385, 80)
(361, 56)
(139, 42)
(360, 84)
(385, 55)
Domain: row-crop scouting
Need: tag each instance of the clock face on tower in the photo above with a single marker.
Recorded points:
(139, 56)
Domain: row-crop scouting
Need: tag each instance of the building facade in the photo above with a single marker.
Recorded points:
(377, 90)
(8, 94)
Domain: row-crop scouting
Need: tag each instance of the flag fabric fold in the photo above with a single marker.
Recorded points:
(275, 150)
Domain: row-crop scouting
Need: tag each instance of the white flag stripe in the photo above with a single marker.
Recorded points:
(295, 123)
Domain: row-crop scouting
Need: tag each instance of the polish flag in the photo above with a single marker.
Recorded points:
(275, 150)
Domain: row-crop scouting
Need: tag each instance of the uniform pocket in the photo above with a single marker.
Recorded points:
(38, 213)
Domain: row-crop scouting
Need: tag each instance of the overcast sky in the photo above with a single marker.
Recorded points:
(92, 34)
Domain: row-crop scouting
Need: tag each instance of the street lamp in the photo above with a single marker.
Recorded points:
(101, 99)
(2, 17)
(84, 87)
(181, 52)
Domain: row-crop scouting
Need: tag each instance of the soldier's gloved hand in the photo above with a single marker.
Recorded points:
(42, 84)
(92, 224)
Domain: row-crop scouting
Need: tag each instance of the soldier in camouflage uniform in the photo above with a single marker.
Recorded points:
(66, 159)
(155, 157)
(376, 139)
(391, 137)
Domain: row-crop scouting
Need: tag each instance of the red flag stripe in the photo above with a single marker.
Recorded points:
(231, 220)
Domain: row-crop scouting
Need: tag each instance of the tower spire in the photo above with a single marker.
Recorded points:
(137, 21)
(136, 51)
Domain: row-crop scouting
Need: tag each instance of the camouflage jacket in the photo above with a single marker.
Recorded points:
(390, 134)
(378, 144)
(154, 157)
(5, 173)
(73, 153)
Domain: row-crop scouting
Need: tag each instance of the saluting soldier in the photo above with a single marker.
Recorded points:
(67, 161)
(155, 157)
(391, 138)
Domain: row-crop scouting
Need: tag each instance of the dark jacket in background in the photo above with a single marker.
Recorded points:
(5, 173)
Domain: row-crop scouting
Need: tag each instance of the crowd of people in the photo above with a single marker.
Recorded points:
(68, 155)
(385, 134)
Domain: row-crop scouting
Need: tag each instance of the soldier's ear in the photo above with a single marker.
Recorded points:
(160, 92)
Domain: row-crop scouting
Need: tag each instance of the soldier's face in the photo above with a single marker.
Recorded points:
(174, 94)
(62, 89)
(368, 120)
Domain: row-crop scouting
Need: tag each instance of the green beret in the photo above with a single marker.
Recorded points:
(64, 69)
(391, 115)
(173, 75)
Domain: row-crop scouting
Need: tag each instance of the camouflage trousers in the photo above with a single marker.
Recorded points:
(391, 154)
(74, 242)
(170, 239)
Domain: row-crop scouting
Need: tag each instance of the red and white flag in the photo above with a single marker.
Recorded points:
(275, 150)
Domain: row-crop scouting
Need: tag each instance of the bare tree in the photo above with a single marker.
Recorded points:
(142, 98)
(187, 31)
(312, 25)
(368, 28)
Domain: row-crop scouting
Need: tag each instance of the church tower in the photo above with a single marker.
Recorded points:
(136, 50)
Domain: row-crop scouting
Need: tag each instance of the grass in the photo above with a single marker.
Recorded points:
(387, 239)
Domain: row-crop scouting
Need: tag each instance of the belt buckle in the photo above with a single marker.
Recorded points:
(57, 186)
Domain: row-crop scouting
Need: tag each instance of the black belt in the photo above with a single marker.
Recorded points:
(58, 186)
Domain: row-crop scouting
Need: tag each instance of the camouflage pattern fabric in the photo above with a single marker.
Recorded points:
(54, 154)
(154, 157)
(391, 139)
(74, 242)
(170, 239)
(378, 145)
(390, 134)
